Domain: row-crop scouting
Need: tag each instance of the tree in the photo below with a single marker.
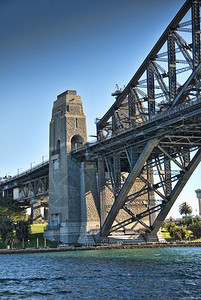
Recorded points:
(7, 230)
(22, 230)
(11, 209)
(177, 232)
(165, 225)
(195, 227)
(185, 209)
(10, 212)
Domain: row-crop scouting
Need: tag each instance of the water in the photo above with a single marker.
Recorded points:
(170, 273)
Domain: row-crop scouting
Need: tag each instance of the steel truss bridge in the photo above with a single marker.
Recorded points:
(153, 128)
(32, 188)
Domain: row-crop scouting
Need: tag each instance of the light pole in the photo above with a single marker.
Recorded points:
(198, 194)
(31, 164)
(43, 158)
(18, 171)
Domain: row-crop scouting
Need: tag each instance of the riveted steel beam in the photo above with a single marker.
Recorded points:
(176, 191)
(127, 186)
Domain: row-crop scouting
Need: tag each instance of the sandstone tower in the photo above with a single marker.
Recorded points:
(67, 132)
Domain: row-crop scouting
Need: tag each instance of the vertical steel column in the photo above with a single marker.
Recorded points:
(151, 196)
(172, 67)
(117, 173)
(32, 209)
(167, 169)
(134, 155)
(114, 122)
(186, 156)
(196, 32)
(150, 90)
(131, 107)
(101, 187)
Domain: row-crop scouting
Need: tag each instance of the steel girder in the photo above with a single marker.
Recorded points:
(156, 85)
(120, 200)
(152, 56)
(157, 117)
(166, 206)
(34, 188)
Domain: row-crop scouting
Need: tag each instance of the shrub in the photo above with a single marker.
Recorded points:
(177, 232)
(195, 227)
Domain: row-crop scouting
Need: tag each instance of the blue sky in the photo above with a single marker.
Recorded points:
(49, 46)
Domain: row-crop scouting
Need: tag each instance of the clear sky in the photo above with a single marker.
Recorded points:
(49, 46)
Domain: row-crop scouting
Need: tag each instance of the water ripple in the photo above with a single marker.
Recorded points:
(171, 273)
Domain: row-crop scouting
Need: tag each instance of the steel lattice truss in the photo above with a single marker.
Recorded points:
(33, 183)
(34, 188)
(154, 126)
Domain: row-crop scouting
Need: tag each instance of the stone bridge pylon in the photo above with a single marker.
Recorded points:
(73, 196)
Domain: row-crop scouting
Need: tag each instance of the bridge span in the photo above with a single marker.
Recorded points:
(125, 183)
(31, 189)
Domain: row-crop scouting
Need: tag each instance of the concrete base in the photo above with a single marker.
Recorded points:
(156, 237)
(51, 235)
(70, 233)
(134, 238)
(83, 234)
(65, 234)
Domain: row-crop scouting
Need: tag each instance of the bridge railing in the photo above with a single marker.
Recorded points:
(28, 171)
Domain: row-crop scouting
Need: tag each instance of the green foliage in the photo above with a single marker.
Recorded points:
(165, 225)
(195, 227)
(7, 230)
(22, 230)
(10, 212)
(170, 226)
(185, 209)
(177, 232)
(10, 209)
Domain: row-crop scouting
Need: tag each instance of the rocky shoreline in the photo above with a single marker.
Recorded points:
(102, 247)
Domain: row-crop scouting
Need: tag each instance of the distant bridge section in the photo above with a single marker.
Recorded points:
(30, 188)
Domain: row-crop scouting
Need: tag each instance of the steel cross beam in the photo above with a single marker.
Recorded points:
(175, 193)
(181, 96)
(151, 56)
(119, 202)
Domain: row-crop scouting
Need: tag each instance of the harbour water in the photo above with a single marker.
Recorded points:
(167, 273)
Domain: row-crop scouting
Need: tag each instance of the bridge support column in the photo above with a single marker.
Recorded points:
(83, 225)
(67, 133)
(36, 216)
(151, 196)
(101, 190)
